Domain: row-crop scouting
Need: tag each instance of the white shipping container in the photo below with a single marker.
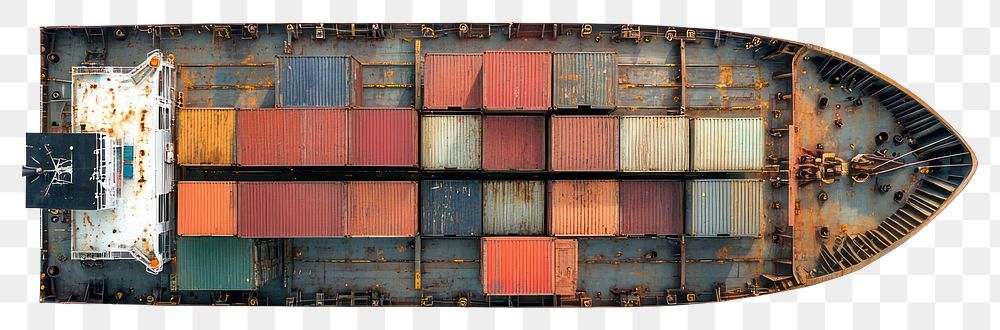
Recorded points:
(451, 142)
(727, 144)
(733, 208)
(654, 144)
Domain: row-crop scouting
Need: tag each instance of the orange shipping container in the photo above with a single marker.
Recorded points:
(517, 266)
(206, 208)
(206, 136)
(583, 208)
(382, 209)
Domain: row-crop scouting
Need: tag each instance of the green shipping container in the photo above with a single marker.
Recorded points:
(226, 263)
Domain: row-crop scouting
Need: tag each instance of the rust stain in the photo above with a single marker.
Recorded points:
(722, 253)
(725, 76)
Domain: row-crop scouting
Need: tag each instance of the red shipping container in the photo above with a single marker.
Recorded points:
(584, 143)
(517, 81)
(291, 209)
(287, 137)
(583, 208)
(383, 137)
(515, 143)
(453, 81)
(382, 209)
(652, 207)
(324, 137)
(517, 266)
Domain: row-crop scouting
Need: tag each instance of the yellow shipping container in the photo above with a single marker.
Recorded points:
(206, 136)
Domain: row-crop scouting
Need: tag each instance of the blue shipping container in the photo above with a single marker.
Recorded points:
(317, 81)
(451, 208)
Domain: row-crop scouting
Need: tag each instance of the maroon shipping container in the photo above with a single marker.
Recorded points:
(517, 81)
(453, 81)
(382, 209)
(652, 207)
(291, 209)
(291, 137)
(383, 137)
(514, 143)
(584, 143)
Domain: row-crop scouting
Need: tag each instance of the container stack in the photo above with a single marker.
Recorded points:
(522, 150)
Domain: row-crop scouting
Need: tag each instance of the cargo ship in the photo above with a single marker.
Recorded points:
(468, 164)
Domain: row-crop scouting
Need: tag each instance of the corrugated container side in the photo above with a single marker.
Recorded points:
(652, 207)
(215, 263)
(382, 209)
(504, 136)
(584, 143)
(725, 208)
(451, 208)
(324, 137)
(382, 137)
(206, 136)
(317, 81)
(292, 137)
(206, 208)
(654, 144)
(728, 144)
(518, 81)
(451, 142)
(268, 137)
(585, 80)
(566, 276)
(292, 209)
(514, 207)
(583, 208)
(517, 266)
(453, 81)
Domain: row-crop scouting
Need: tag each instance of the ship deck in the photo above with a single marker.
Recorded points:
(708, 74)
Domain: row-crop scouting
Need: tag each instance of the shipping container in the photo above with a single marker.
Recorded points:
(728, 144)
(206, 136)
(382, 208)
(517, 266)
(584, 143)
(206, 208)
(382, 137)
(291, 209)
(566, 276)
(317, 81)
(725, 208)
(583, 208)
(514, 143)
(584, 80)
(517, 81)
(652, 207)
(453, 81)
(226, 263)
(451, 142)
(451, 208)
(513, 208)
(292, 137)
(654, 144)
